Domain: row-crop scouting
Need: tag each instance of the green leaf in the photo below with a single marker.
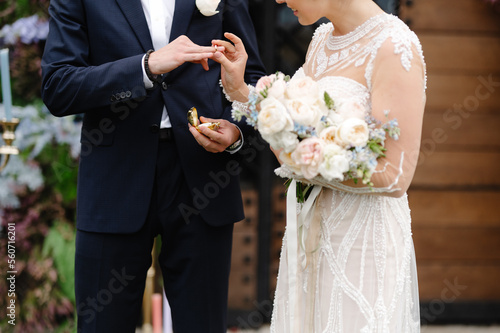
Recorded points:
(60, 170)
(330, 103)
(60, 245)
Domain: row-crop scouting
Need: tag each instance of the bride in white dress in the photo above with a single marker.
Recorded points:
(351, 266)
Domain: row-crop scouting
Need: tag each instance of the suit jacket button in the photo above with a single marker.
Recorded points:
(154, 128)
(164, 85)
(123, 95)
(117, 96)
(128, 94)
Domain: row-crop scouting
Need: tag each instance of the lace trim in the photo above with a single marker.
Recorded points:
(336, 43)
(224, 91)
(236, 105)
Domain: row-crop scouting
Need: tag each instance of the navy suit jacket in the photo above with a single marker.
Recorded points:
(92, 65)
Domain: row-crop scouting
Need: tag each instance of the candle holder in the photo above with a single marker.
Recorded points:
(7, 129)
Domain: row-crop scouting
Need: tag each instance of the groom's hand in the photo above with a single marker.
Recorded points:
(177, 52)
(215, 141)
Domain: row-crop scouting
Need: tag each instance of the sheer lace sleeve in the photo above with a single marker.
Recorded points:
(398, 86)
(397, 80)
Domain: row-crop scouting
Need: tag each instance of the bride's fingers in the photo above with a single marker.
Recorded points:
(238, 44)
(222, 59)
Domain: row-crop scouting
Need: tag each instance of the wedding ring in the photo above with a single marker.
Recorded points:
(215, 47)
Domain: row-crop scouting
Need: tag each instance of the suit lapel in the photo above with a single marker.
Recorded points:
(132, 10)
(182, 16)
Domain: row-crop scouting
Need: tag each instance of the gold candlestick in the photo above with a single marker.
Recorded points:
(8, 128)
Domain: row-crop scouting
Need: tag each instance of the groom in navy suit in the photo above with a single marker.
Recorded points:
(134, 68)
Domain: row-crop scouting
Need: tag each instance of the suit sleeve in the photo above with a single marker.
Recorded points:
(71, 82)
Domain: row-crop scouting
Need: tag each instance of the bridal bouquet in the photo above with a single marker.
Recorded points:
(317, 136)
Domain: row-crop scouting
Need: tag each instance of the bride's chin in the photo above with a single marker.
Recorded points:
(304, 21)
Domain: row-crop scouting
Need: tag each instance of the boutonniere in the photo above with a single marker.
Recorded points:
(208, 7)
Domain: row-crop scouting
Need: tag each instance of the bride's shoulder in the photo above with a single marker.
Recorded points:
(322, 30)
(319, 36)
(398, 39)
(400, 34)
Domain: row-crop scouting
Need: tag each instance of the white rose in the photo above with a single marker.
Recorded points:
(334, 118)
(278, 88)
(353, 132)
(303, 112)
(282, 140)
(273, 117)
(304, 88)
(335, 163)
(208, 7)
(351, 109)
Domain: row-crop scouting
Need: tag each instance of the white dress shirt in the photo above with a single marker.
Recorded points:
(159, 15)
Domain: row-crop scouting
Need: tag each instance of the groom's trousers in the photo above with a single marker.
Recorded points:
(195, 260)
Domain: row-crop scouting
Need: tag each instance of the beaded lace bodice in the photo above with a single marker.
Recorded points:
(355, 259)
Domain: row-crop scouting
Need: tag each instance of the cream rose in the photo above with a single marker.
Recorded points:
(304, 88)
(286, 158)
(351, 109)
(208, 7)
(308, 155)
(353, 132)
(329, 134)
(303, 112)
(273, 117)
(335, 163)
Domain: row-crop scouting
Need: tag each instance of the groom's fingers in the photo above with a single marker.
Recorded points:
(206, 142)
(223, 45)
(204, 63)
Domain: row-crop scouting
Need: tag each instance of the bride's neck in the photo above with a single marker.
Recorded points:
(347, 16)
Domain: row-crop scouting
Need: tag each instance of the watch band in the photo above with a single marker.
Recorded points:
(154, 78)
(235, 145)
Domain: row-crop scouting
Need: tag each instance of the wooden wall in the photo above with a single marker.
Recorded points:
(455, 194)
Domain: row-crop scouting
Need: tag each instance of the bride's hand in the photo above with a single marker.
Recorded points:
(233, 62)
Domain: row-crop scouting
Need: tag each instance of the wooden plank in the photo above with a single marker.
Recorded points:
(242, 290)
(454, 208)
(251, 208)
(450, 15)
(467, 129)
(244, 253)
(457, 244)
(461, 54)
(444, 91)
(450, 283)
(442, 170)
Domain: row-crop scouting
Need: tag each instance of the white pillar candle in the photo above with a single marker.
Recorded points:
(7, 97)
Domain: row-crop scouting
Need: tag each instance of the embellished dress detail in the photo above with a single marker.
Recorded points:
(348, 262)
